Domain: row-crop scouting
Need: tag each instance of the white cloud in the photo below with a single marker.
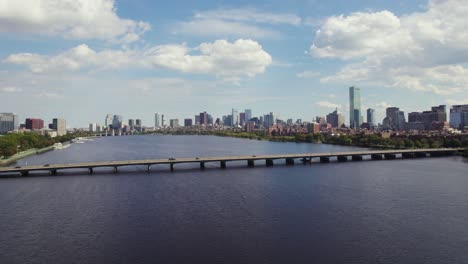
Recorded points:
(308, 74)
(73, 19)
(241, 22)
(456, 101)
(422, 51)
(226, 60)
(10, 90)
(328, 104)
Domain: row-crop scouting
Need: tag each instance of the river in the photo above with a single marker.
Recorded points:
(397, 211)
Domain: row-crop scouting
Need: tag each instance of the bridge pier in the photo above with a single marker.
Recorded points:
(269, 162)
(90, 170)
(250, 163)
(376, 156)
(148, 169)
(172, 166)
(420, 154)
(202, 165)
(390, 156)
(223, 164)
(115, 170)
(24, 173)
(289, 161)
(53, 172)
(408, 155)
(342, 158)
(324, 159)
(356, 157)
(306, 160)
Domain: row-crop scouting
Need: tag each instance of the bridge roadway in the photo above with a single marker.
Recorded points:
(305, 157)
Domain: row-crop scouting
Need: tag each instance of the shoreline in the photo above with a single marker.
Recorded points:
(24, 154)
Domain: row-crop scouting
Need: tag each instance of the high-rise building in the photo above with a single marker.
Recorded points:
(268, 120)
(60, 125)
(242, 118)
(93, 127)
(459, 116)
(437, 114)
(131, 122)
(117, 121)
(34, 123)
(108, 121)
(235, 117)
(203, 119)
(163, 121)
(371, 116)
(248, 114)
(174, 123)
(394, 119)
(354, 107)
(157, 120)
(138, 123)
(197, 119)
(188, 122)
(8, 122)
(335, 119)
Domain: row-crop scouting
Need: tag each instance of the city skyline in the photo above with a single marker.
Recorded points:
(296, 59)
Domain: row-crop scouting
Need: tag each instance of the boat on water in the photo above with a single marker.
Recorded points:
(61, 146)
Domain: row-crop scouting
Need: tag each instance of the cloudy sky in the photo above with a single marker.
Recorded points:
(82, 59)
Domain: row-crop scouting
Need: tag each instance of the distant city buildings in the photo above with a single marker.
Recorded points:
(355, 118)
(248, 114)
(335, 119)
(234, 117)
(138, 123)
(188, 122)
(459, 116)
(174, 123)
(371, 116)
(203, 119)
(60, 125)
(157, 120)
(394, 119)
(34, 123)
(8, 122)
(117, 121)
(426, 120)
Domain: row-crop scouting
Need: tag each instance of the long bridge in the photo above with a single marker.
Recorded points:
(269, 160)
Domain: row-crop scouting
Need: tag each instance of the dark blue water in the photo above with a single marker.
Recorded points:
(400, 211)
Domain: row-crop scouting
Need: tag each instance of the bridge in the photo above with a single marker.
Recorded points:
(269, 160)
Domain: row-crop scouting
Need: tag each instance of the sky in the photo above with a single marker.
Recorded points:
(83, 59)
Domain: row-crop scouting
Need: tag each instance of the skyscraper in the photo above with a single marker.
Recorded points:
(248, 114)
(335, 119)
(354, 107)
(371, 117)
(235, 117)
(34, 123)
(108, 120)
(163, 121)
(60, 125)
(8, 122)
(459, 116)
(203, 119)
(395, 119)
(138, 123)
(117, 121)
(157, 120)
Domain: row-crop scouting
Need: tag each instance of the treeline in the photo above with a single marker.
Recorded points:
(10, 144)
(360, 140)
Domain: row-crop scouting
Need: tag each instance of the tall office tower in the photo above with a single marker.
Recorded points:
(60, 125)
(174, 123)
(242, 118)
(235, 117)
(371, 116)
(138, 123)
(335, 119)
(268, 120)
(248, 114)
(395, 119)
(117, 121)
(157, 120)
(203, 119)
(8, 122)
(459, 116)
(354, 107)
(163, 121)
(188, 122)
(93, 127)
(108, 120)
(131, 122)
(34, 123)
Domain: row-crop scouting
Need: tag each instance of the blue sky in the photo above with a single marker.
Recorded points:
(81, 60)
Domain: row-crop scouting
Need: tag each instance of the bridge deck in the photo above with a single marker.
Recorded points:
(90, 165)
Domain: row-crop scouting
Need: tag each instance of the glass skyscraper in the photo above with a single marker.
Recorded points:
(354, 107)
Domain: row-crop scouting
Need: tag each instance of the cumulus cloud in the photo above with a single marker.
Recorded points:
(328, 104)
(242, 58)
(240, 22)
(10, 90)
(308, 74)
(422, 51)
(73, 19)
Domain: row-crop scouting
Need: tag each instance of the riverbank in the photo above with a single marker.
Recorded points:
(24, 154)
